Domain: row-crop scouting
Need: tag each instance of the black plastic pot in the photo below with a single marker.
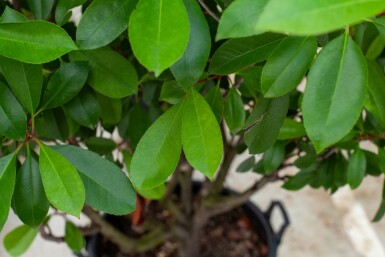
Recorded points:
(260, 220)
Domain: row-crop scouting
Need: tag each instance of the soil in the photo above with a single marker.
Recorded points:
(229, 235)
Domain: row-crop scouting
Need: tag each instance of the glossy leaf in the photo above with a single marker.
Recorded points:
(25, 80)
(110, 110)
(100, 145)
(263, 125)
(375, 94)
(84, 109)
(61, 181)
(234, 111)
(155, 193)
(240, 19)
(303, 17)
(375, 48)
(300, 180)
(11, 16)
(155, 40)
(215, 99)
(189, 68)
(291, 129)
(201, 135)
(171, 92)
(356, 168)
(41, 9)
(65, 84)
(30, 202)
(273, 157)
(51, 124)
(139, 121)
(381, 209)
(102, 22)
(63, 10)
(247, 164)
(13, 121)
(110, 73)
(287, 65)
(158, 152)
(329, 112)
(107, 188)
(381, 159)
(73, 237)
(7, 184)
(252, 82)
(34, 41)
(379, 22)
(236, 54)
(19, 240)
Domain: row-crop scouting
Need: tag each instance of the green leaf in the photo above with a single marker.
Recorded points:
(379, 22)
(84, 109)
(100, 145)
(61, 181)
(240, 19)
(107, 188)
(252, 82)
(73, 237)
(7, 184)
(63, 10)
(381, 159)
(236, 54)
(356, 168)
(65, 84)
(329, 112)
(111, 74)
(287, 65)
(375, 94)
(303, 17)
(30, 202)
(155, 193)
(139, 121)
(52, 124)
(34, 41)
(381, 209)
(215, 99)
(201, 135)
(19, 240)
(189, 68)
(13, 121)
(273, 157)
(376, 48)
(171, 92)
(25, 80)
(247, 164)
(158, 152)
(102, 22)
(41, 9)
(110, 110)
(234, 111)
(300, 180)
(11, 16)
(291, 129)
(155, 40)
(308, 159)
(263, 125)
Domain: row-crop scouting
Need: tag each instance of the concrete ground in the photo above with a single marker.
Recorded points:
(321, 225)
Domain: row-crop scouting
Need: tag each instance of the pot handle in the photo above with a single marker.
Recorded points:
(286, 221)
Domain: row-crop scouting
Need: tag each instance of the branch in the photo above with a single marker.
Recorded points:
(126, 244)
(226, 204)
(47, 235)
(207, 9)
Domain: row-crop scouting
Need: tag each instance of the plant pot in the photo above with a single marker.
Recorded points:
(261, 222)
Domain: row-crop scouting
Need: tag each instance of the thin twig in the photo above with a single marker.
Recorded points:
(207, 9)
